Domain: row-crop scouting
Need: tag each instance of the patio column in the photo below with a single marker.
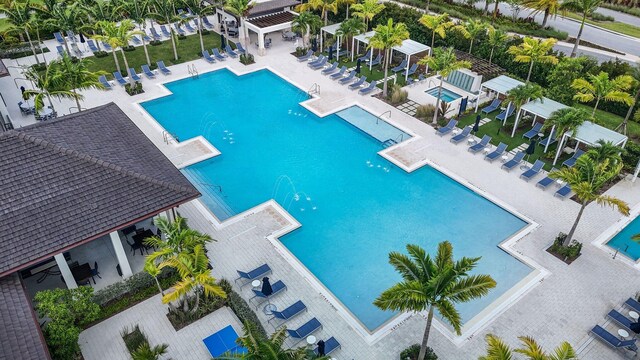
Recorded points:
(120, 254)
(65, 271)
(515, 124)
(261, 50)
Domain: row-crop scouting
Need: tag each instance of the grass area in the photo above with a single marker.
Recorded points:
(376, 72)
(611, 121)
(616, 26)
(188, 50)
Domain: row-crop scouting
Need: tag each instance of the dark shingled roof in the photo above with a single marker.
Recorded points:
(19, 334)
(266, 7)
(79, 177)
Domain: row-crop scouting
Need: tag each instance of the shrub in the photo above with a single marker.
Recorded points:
(631, 156)
(206, 32)
(139, 347)
(100, 54)
(246, 59)
(134, 338)
(301, 51)
(182, 37)
(412, 352)
(155, 42)
(134, 90)
(425, 111)
(129, 48)
(599, 17)
(240, 307)
(398, 95)
(571, 251)
(180, 318)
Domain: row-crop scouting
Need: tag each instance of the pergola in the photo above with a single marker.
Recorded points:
(410, 47)
(542, 108)
(589, 134)
(501, 85)
(266, 24)
(362, 38)
(333, 31)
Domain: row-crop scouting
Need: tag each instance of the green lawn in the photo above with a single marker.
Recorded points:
(622, 28)
(376, 73)
(611, 121)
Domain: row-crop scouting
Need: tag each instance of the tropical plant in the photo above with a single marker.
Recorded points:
(138, 11)
(199, 10)
(634, 73)
(386, 37)
(471, 29)
(101, 10)
(325, 6)
(565, 120)
(497, 349)
(178, 238)
(351, 27)
(521, 95)
(587, 178)
(547, 7)
(45, 87)
(562, 76)
(74, 75)
(444, 62)
(241, 9)
(20, 16)
(146, 352)
(306, 23)
(438, 24)
(151, 268)
(534, 51)
(367, 10)
(433, 284)
(586, 8)
(606, 150)
(348, 3)
(118, 35)
(496, 39)
(600, 87)
(65, 18)
(164, 11)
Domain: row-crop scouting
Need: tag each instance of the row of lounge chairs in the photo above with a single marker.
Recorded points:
(134, 76)
(222, 56)
(625, 323)
(293, 310)
(351, 79)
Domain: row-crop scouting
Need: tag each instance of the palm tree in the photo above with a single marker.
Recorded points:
(496, 39)
(306, 23)
(151, 268)
(241, 8)
(471, 29)
(438, 24)
(350, 28)
(585, 8)
(199, 11)
(605, 150)
(485, 11)
(534, 51)
(497, 349)
(45, 87)
(385, 38)
(547, 7)
(178, 238)
(146, 352)
(348, 3)
(600, 87)
(325, 6)
(65, 18)
(102, 10)
(118, 35)
(444, 62)
(19, 15)
(75, 75)
(495, 10)
(138, 11)
(521, 95)
(165, 12)
(565, 120)
(635, 75)
(433, 284)
(109, 34)
(367, 10)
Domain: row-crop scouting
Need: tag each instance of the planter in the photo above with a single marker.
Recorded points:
(567, 254)
(135, 90)
(247, 59)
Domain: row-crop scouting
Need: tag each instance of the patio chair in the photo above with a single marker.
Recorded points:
(484, 142)
(612, 340)
(402, 66)
(119, 78)
(366, 56)
(504, 114)
(339, 74)
(103, 80)
(206, 56)
(330, 346)
(182, 14)
(316, 60)
(154, 33)
(254, 274)
(448, 128)
(358, 84)
(76, 50)
(240, 49)
(189, 27)
(306, 56)
(146, 38)
(463, 135)
(163, 69)
(305, 330)
(376, 61)
(92, 46)
(206, 23)
(330, 69)
(229, 51)
(147, 71)
(60, 50)
(277, 287)
(369, 89)
(620, 319)
(563, 192)
(287, 314)
(133, 246)
(95, 272)
(495, 104)
(165, 32)
(136, 40)
(319, 64)
(517, 159)
(412, 69)
(348, 78)
(59, 37)
(496, 153)
(544, 183)
(551, 139)
(537, 127)
(106, 46)
(633, 303)
(133, 75)
(218, 55)
(535, 170)
(572, 160)
(179, 29)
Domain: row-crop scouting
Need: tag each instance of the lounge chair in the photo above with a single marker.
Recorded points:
(551, 139)
(330, 346)
(206, 23)
(92, 46)
(612, 340)
(229, 51)
(330, 69)
(447, 129)
(402, 66)
(544, 183)
(218, 55)
(463, 135)
(154, 33)
(495, 104)
(572, 161)
(620, 319)
(136, 40)
(59, 37)
(376, 61)
(563, 192)
(306, 56)
(134, 75)
(206, 56)
(287, 314)
(106, 46)
(484, 142)
(537, 127)
(146, 38)
(339, 74)
(103, 80)
(517, 159)
(182, 14)
(369, 89)
(305, 330)
(412, 69)
(60, 50)
(504, 115)
(163, 69)
(147, 71)
(119, 78)
(76, 49)
(165, 32)
(319, 64)
(535, 170)
(179, 29)
(366, 56)
(496, 153)
(240, 49)
(254, 274)
(633, 303)
(277, 287)
(317, 60)
(358, 84)
(348, 78)
(189, 27)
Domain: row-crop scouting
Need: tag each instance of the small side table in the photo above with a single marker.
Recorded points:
(487, 149)
(623, 334)
(269, 309)
(311, 339)
(504, 158)
(256, 283)
(559, 182)
(634, 315)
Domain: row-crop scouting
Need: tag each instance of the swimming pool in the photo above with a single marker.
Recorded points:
(623, 243)
(446, 95)
(354, 205)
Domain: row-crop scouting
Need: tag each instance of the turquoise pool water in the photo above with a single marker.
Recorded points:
(623, 243)
(446, 95)
(354, 206)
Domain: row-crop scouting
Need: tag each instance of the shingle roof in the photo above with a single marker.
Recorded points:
(19, 333)
(78, 178)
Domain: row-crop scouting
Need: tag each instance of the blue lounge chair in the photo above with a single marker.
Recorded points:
(537, 127)
(206, 23)
(633, 303)
(369, 89)
(506, 115)
(517, 159)
(339, 74)
(331, 69)
(366, 56)
(402, 66)
(146, 38)
(412, 69)
(103, 80)
(563, 192)
(223, 342)
(319, 64)
(179, 29)
(136, 40)
(163, 69)
(447, 129)
(348, 78)
(620, 319)
(544, 183)
(613, 341)
(358, 84)
(147, 71)
(330, 346)
(254, 274)
(306, 56)
(60, 50)
(317, 60)
(92, 46)
(133, 75)
(119, 78)
(481, 145)
(535, 170)
(218, 55)
(229, 51)
(154, 33)
(287, 314)
(182, 14)
(277, 287)
(240, 49)
(376, 61)
(572, 161)
(106, 46)
(551, 139)
(495, 104)
(189, 27)
(463, 135)
(59, 37)
(206, 56)
(496, 153)
(165, 32)
(305, 330)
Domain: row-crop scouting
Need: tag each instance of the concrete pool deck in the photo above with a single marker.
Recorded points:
(564, 306)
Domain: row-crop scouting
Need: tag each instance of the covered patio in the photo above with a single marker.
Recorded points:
(332, 30)
(500, 85)
(364, 39)
(539, 109)
(590, 134)
(409, 48)
(268, 24)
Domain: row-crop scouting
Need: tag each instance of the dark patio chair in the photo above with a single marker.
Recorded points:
(135, 246)
(95, 272)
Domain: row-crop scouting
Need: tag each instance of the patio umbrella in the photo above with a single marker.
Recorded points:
(314, 45)
(358, 66)
(321, 348)
(223, 40)
(266, 286)
(477, 124)
(531, 148)
(82, 41)
(635, 327)
(330, 52)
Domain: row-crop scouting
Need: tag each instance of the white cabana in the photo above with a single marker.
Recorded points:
(362, 38)
(331, 30)
(410, 47)
(589, 134)
(501, 85)
(538, 108)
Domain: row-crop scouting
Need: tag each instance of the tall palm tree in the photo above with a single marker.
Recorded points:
(635, 75)
(75, 75)
(351, 27)
(138, 11)
(497, 349)
(496, 7)
(565, 120)
(45, 87)
(547, 7)
(367, 10)
(444, 62)
(433, 284)
(101, 10)
(20, 16)
(600, 87)
(471, 29)
(146, 352)
(199, 10)
(438, 24)
(241, 8)
(325, 6)
(521, 95)
(496, 40)
(65, 18)
(306, 23)
(118, 35)
(178, 238)
(534, 51)
(585, 8)
(164, 10)
(586, 178)
(348, 3)
(385, 38)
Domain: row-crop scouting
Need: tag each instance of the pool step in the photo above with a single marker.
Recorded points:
(389, 142)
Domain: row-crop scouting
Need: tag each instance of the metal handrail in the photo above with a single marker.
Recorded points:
(381, 115)
(314, 89)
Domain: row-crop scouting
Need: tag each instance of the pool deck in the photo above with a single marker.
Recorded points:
(564, 305)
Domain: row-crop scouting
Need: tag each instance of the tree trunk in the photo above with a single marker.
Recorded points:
(491, 55)
(173, 42)
(146, 52)
(44, 59)
(159, 287)
(245, 33)
(546, 17)
(427, 8)
(115, 59)
(486, 8)
(593, 113)
(195, 307)
(495, 11)
(623, 124)
(433, 38)
(435, 113)
(569, 237)
(471, 46)
(77, 99)
(185, 304)
(575, 46)
(200, 33)
(386, 66)
(33, 48)
(530, 69)
(425, 337)
(126, 65)
(66, 43)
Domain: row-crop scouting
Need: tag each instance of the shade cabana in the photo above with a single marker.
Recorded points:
(501, 85)
(362, 38)
(542, 108)
(332, 30)
(410, 47)
(589, 134)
